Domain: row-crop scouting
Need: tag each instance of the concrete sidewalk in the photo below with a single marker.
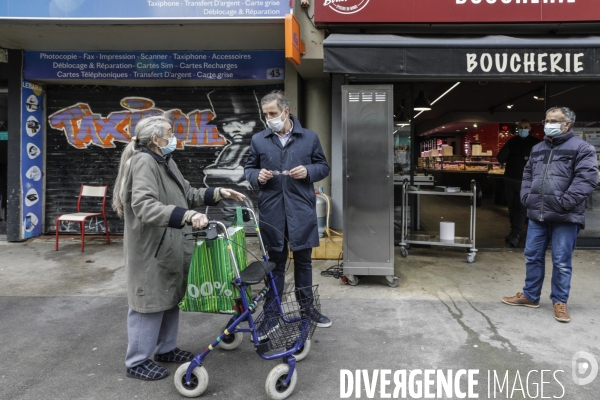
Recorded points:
(63, 329)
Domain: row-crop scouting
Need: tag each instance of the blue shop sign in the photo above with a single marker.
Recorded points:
(32, 158)
(155, 65)
(144, 9)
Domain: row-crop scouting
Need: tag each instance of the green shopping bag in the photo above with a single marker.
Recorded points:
(209, 287)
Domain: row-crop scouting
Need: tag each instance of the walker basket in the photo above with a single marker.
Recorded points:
(295, 323)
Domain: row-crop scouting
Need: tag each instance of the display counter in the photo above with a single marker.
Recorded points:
(463, 180)
(498, 192)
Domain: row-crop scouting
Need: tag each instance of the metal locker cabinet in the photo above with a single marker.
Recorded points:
(367, 131)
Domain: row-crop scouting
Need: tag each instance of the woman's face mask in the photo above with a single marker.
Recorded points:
(170, 147)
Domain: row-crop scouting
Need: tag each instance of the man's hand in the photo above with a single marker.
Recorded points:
(264, 175)
(299, 172)
(232, 194)
(199, 221)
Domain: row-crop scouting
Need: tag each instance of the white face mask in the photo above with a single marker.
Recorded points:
(552, 129)
(276, 124)
(170, 147)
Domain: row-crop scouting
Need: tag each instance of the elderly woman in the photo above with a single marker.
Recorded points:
(157, 203)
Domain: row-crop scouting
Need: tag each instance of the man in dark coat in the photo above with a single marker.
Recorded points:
(514, 154)
(285, 160)
(561, 173)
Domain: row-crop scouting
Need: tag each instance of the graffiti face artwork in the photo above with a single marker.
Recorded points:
(238, 119)
(83, 128)
(237, 131)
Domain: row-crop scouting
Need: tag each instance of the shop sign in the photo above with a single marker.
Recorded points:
(455, 11)
(294, 45)
(452, 62)
(154, 65)
(32, 159)
(144, 9)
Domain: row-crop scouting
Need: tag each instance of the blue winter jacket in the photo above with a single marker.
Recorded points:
(282, 199)
(561, 173)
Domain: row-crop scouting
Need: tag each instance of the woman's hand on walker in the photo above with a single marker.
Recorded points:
(199, 221)
(232, 194)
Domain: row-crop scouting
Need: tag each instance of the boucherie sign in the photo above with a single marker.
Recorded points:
(449, 11)
(440, 62)
(523, 62)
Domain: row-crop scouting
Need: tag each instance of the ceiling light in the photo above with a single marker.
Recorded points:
(474, 125)
(422, 103)
(402, 119)
(539, 95)
(509, 106)
(445, 93)
(433, 102)
(466, 128)
(443, 127)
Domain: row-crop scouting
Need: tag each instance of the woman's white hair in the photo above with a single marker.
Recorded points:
(145, 129)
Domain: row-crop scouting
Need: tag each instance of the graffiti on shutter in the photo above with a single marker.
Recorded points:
(88, 128)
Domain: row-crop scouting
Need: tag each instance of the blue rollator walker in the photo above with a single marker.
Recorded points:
(285, 325)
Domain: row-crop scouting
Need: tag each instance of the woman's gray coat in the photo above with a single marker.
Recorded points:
(157, 256)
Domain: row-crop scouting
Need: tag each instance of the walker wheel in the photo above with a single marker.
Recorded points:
(302, 351)
(198, 384)
(352, 280)
(274, 385)
(403, 252)
(471, 258)
(392, 280)
(232, 341)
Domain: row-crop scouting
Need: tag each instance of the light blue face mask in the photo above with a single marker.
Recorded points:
(170, 147)
(552, 130)
(523, 133)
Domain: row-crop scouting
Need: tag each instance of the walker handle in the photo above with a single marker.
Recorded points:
(209, 232)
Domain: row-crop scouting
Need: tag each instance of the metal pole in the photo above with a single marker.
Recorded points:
(546, 92)
(413, 158)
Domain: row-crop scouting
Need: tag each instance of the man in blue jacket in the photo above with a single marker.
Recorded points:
(561, 173)
(284, 161)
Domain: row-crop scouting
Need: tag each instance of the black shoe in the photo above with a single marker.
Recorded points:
(147, 371)
(269, 324)
(508, 237)
(322, 321)
(514, 241)
(176, 355)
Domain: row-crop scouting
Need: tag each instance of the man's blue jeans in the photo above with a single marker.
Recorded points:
(563, 237)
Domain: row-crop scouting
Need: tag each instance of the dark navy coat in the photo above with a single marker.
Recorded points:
(283, 199)
(561, 173)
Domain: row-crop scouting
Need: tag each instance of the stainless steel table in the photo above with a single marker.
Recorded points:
(434, 240)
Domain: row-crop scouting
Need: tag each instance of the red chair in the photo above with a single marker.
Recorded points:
(81, 217)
